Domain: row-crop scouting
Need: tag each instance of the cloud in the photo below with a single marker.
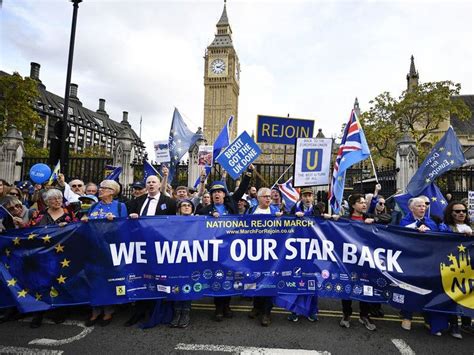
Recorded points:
(306, 58)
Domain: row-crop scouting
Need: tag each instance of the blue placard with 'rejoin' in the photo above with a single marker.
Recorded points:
(280, 130)
(239, 155)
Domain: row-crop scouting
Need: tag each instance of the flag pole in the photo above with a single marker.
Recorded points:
(282, 175)
(6, 211)
(373, 167)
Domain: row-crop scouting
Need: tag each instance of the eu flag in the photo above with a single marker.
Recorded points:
(446, 155)
(114, 174)
(353, 149)
(437, 202)
(180, 139)
(149, 170)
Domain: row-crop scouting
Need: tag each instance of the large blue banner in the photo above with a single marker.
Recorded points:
(178, 258)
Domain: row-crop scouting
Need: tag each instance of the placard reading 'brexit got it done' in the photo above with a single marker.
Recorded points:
(239, 155)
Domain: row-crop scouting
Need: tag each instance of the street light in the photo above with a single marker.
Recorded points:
(64, 150)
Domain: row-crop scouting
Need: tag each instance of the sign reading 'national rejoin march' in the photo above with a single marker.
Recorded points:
(281, 130)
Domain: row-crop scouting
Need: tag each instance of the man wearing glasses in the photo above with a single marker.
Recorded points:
(77, 186)
(263, 305)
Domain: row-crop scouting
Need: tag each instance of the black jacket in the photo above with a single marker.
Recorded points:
(166, 205)
(316, 210)
(230, 202)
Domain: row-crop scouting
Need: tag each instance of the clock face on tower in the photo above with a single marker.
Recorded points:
(218, 66)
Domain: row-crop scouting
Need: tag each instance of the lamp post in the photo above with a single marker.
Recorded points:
(64, 151)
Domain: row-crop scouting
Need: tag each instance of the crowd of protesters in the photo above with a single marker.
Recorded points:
(61, 203)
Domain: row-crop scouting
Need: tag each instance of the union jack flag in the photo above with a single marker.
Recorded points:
(352, 150)
(289, 193)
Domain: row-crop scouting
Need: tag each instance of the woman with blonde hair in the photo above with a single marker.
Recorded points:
(109, 209)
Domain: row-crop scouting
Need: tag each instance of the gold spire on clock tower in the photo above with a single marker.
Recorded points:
(221, 82)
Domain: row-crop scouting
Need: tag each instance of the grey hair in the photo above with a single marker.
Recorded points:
(262, 191)
(52, 193)
(414, 200)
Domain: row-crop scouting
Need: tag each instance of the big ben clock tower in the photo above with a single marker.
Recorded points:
(221, 82)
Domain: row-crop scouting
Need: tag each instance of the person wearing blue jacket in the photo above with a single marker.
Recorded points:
(263, 305)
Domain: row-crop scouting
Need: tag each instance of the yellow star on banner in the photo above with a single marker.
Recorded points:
(461, 248)
(53, 292)
(451, 258)
(38, 296)
(7, 252)
(11, 282)
(448, 154)
(443, 202)
(21, 293)
(32, 236)
(59, 248)
(46, 239)
(16, 241)
(452, 162)
(434, 199)
(427, 180)
(61, 279)
(441, 149)
(65, 263)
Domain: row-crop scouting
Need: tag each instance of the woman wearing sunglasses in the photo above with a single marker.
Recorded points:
(456, 219)
(21, 215)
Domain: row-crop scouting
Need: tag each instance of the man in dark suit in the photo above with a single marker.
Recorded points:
(153, 203)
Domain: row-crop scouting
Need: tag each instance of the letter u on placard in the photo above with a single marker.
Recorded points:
(312, 164)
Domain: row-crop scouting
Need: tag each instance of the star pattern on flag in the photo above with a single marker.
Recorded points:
(53, 292)
(443, 202)
(11, 283)
(427, 180)
(59, 248)
(22, 293)
(461, 248)
(46, 239)
(448, 154)
(441, 149)
(8, 252)
(38, 296)
(61, 279)
(452, 162)
(434, 198)
(32, 236)
(65, 263)
(16, 241)
(452, 258)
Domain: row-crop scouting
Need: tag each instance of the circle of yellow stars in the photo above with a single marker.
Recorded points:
(61, 279)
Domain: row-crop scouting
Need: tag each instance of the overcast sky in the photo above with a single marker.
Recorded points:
(306, 58)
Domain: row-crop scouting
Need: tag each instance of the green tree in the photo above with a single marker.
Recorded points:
(17, 96)
(419, 112)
